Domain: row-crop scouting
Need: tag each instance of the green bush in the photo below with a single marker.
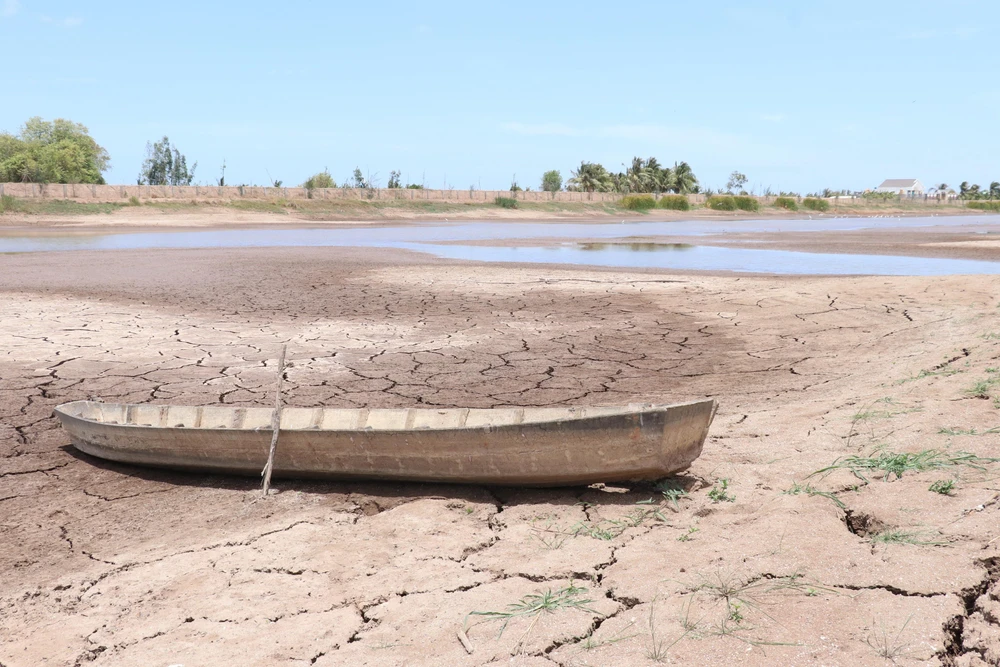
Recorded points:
(991, 205)
(786, 203)
(721, 203)
(7, 203)
(814, 204)
(505, 202)
(745, 203)
(133, 201)
(321, 180)
(674, 202)
(638, 202)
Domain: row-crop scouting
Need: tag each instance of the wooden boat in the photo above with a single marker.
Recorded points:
(515, 446)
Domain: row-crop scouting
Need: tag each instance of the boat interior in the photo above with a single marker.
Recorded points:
(340, 419)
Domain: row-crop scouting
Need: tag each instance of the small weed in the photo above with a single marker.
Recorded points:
(899, 536)
(885, 647)
(943, 486)
(689, 535)
(945, 430)
(134, 201)
(672, 491)
(720, 492)
(534, 605)
(809, 490)
(980, 389)
(550, 537)
(947, 372)
(505, 202)
(894, 465)
(658, 648)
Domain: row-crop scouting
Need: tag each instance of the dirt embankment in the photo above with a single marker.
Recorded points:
(748, 558)
(65, 213)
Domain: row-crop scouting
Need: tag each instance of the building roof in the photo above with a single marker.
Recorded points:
(901, 183)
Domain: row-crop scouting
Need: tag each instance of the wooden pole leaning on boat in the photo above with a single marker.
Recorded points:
(275, 422)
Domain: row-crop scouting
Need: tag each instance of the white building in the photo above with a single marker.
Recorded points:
(905, 187)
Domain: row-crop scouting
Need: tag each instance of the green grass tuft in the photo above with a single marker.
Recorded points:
(505, 202)
(892, 465)
(943, 486)
(720, 492)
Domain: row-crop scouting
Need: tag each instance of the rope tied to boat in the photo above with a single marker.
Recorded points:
(275, 423)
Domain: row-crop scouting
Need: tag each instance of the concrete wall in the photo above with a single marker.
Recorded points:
(118, 193)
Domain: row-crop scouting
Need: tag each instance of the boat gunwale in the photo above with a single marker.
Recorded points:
(641, 409)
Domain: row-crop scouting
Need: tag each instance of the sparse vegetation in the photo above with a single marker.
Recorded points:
(689, 535)
(7, 204)
(813, 204)
(992, 206)
(533, 605)
(672, 492)
(505, 202)
(900, 536)
(943, 486)
(893, 465)
(133, 201)
(886, 647)
(796, 489)
(786, 203)
(720, 492)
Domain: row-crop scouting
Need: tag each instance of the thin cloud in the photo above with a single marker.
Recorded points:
(9, 7)
(68, 22)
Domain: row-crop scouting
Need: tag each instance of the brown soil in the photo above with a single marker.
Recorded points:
(107, 564)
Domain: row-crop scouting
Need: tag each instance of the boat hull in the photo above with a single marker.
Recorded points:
(517, 446)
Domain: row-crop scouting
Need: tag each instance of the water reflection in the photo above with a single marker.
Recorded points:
(635, 247)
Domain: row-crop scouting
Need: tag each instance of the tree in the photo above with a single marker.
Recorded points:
(321, 180)
(165, 165)
(737, 181)
(994, 190)
(591, 177)
(359, 181)
(552, 181)
(394, 180)
(684, 180)
(59, 151)
(514, 187)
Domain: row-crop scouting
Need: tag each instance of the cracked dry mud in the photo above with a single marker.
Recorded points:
(106, 564)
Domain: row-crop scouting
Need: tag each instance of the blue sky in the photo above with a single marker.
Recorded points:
(797, 95)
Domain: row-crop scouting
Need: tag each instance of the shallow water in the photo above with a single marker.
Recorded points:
(430, 239)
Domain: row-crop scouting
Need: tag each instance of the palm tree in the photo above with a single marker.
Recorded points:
(994, 190)
(591, 177)
(683, 178)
